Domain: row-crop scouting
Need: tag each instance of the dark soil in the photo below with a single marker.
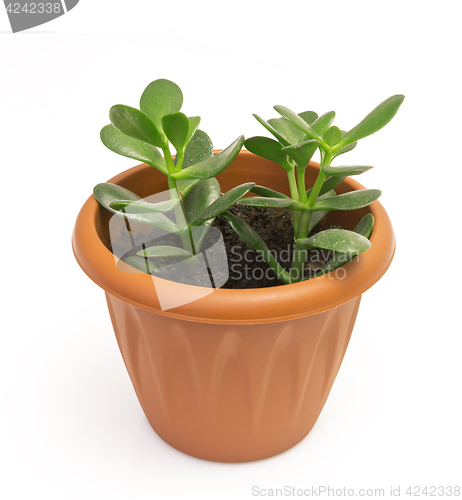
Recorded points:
(247, 268)
(244, 268)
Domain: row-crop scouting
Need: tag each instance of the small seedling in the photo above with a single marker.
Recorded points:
(145, 134)
(298, 137)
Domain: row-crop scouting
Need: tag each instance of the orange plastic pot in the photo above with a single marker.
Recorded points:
(236, 375)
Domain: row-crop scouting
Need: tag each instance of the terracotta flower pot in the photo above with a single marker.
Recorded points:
(236, 375)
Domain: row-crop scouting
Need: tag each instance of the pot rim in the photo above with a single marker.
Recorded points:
(234, 306)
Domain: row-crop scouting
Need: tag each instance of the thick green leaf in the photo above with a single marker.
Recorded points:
(292, 134)
(152, 219)
(347, 148)
(134, 123)
(323, 122)
(348, 201)
(193, 124)
(212, 166)
(269, 193)
(269, 149)
(327, 185)
(331, 183)
(259, 201)
(297, 121)
(142, 206)
(176, 127)
(364, 228)
(249, 236)
(287, 130)
(185, 186)
(302, 153)
(319, 125)
(223, 203)
(199, 233)
(127, 146)
(316, 217)
(165, 251)
(200, 197)
(337, 240)
(160, 98)
(144, 265)
(345, 170)
(373, 122)
(106, 194)
(309, 116)
(271, 129)
(200, 148)
(332, 135)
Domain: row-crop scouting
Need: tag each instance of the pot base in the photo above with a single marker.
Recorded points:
(227, 392)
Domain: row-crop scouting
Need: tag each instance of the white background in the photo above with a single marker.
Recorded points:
(71, 426)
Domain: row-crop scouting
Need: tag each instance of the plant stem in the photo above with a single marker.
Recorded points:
(300, 254)
(179, 162)
(303, 225)
(294, 195)
(297, 269)
(293, 184)
(325, 160)
(180, 219)
(185, 231)
(301, 185)
(168, 160)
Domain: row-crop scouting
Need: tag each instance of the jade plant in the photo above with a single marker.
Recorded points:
(297, 138)
(195, 197)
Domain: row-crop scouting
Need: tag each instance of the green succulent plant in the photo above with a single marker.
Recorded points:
(146, 134)
(297, 138)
